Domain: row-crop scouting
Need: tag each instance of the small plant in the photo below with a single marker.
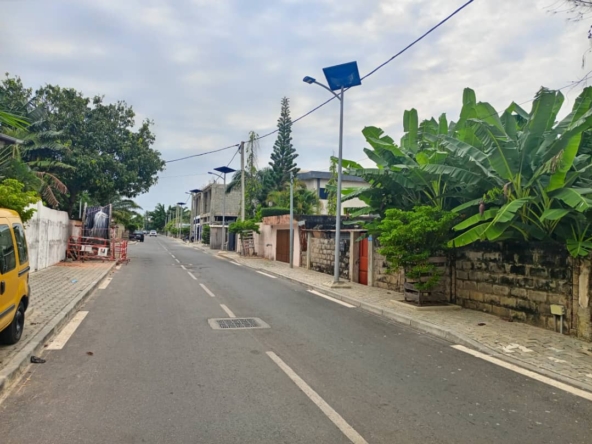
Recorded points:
(205, 234)
(409, 238)
(243, 226)
(14, 198)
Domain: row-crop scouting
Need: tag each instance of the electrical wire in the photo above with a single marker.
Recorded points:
(409, 46)
(203, 154)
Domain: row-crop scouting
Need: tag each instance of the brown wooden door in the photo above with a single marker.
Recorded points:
(282, 248)
(363, 262)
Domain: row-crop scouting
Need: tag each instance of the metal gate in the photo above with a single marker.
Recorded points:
(363, 262)
(282, 248)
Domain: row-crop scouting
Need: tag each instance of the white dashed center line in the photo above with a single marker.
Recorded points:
(192, 275)
(228, 311)
(207, 290)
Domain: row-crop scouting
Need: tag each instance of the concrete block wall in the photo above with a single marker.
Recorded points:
(382, 278)
(47, 235)
(233, 201)
(322, 253)
(515, 281)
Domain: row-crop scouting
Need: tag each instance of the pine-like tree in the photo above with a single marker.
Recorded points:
(284, 155)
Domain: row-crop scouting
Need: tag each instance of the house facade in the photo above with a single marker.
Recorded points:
(208, 207)
(317, 181)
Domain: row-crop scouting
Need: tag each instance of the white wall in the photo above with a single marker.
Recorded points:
(311, 184)
(47, 236)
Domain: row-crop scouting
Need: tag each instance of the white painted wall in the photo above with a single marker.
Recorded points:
(311, 184)
(47, 236)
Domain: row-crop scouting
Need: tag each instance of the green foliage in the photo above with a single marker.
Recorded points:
(205, 234)
(243, 226)
(305, 201)
(331, 188)
(511, 175)
(105, 152)
(274, 211)
(284, 154)
(13, 197)
(158, 217)
(409, 238)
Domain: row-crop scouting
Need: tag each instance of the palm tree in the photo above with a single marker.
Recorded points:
(41, 153)
(123, 211)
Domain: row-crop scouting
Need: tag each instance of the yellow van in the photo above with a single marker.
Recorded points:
(14, 277)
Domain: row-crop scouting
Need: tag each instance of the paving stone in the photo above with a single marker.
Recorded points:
(52, 289)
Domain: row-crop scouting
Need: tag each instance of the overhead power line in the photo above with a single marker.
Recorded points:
(409, 46)
(203, 154)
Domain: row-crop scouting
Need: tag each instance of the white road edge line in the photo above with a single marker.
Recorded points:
(235, 263)
(228, 311)
(268, 275)
(544, 379)
(192, 275)
(60, 340)
(207, 290)
(105, 283)
(329, 298)
(173, 256)
(335, 417)
(183, 267)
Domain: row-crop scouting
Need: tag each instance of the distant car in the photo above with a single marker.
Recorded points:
(153, 233)
(137, 235)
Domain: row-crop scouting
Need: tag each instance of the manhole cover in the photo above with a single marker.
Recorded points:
(236, 323)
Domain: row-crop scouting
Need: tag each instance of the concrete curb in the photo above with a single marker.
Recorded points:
(433, 329)
(19, 363)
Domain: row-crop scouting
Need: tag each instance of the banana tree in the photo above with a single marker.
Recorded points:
(539, 174)
(416, 172)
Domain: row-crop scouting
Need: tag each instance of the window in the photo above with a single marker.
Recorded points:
(323, 193)
(21, 243)
(7, 256)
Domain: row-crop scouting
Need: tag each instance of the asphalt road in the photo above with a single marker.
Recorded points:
(159, 373)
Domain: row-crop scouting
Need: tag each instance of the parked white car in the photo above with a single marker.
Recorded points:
(153, 233)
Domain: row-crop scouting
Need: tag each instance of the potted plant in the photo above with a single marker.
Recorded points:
(415, 241)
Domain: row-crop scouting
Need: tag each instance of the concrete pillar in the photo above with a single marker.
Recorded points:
(308, 249)
(370, 261)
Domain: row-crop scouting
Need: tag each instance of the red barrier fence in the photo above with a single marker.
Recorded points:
(83, 248)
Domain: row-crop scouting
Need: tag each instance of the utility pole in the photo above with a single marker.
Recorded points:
(292, 219)
(242, 150)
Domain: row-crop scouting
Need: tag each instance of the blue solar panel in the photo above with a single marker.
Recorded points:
(342, 76)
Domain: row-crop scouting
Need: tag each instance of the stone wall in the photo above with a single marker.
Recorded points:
(382, 278)
(515, 281)
(322, 253)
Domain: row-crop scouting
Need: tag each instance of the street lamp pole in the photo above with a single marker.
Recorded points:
(292, 219)
(340, 78)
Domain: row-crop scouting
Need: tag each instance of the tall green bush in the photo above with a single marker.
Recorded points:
(13, 197)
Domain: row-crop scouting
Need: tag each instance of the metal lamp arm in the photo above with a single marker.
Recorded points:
(337, 96)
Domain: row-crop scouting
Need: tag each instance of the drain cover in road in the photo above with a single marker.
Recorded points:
(236, 323)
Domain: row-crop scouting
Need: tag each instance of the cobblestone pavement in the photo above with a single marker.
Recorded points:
(52, 289)
(559, 356)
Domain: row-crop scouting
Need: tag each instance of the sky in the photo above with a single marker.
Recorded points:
(208, 72)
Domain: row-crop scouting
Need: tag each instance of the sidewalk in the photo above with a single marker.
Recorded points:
(56, 293)
(560, 357)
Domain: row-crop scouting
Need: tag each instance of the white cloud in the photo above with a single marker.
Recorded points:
(210, 71)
